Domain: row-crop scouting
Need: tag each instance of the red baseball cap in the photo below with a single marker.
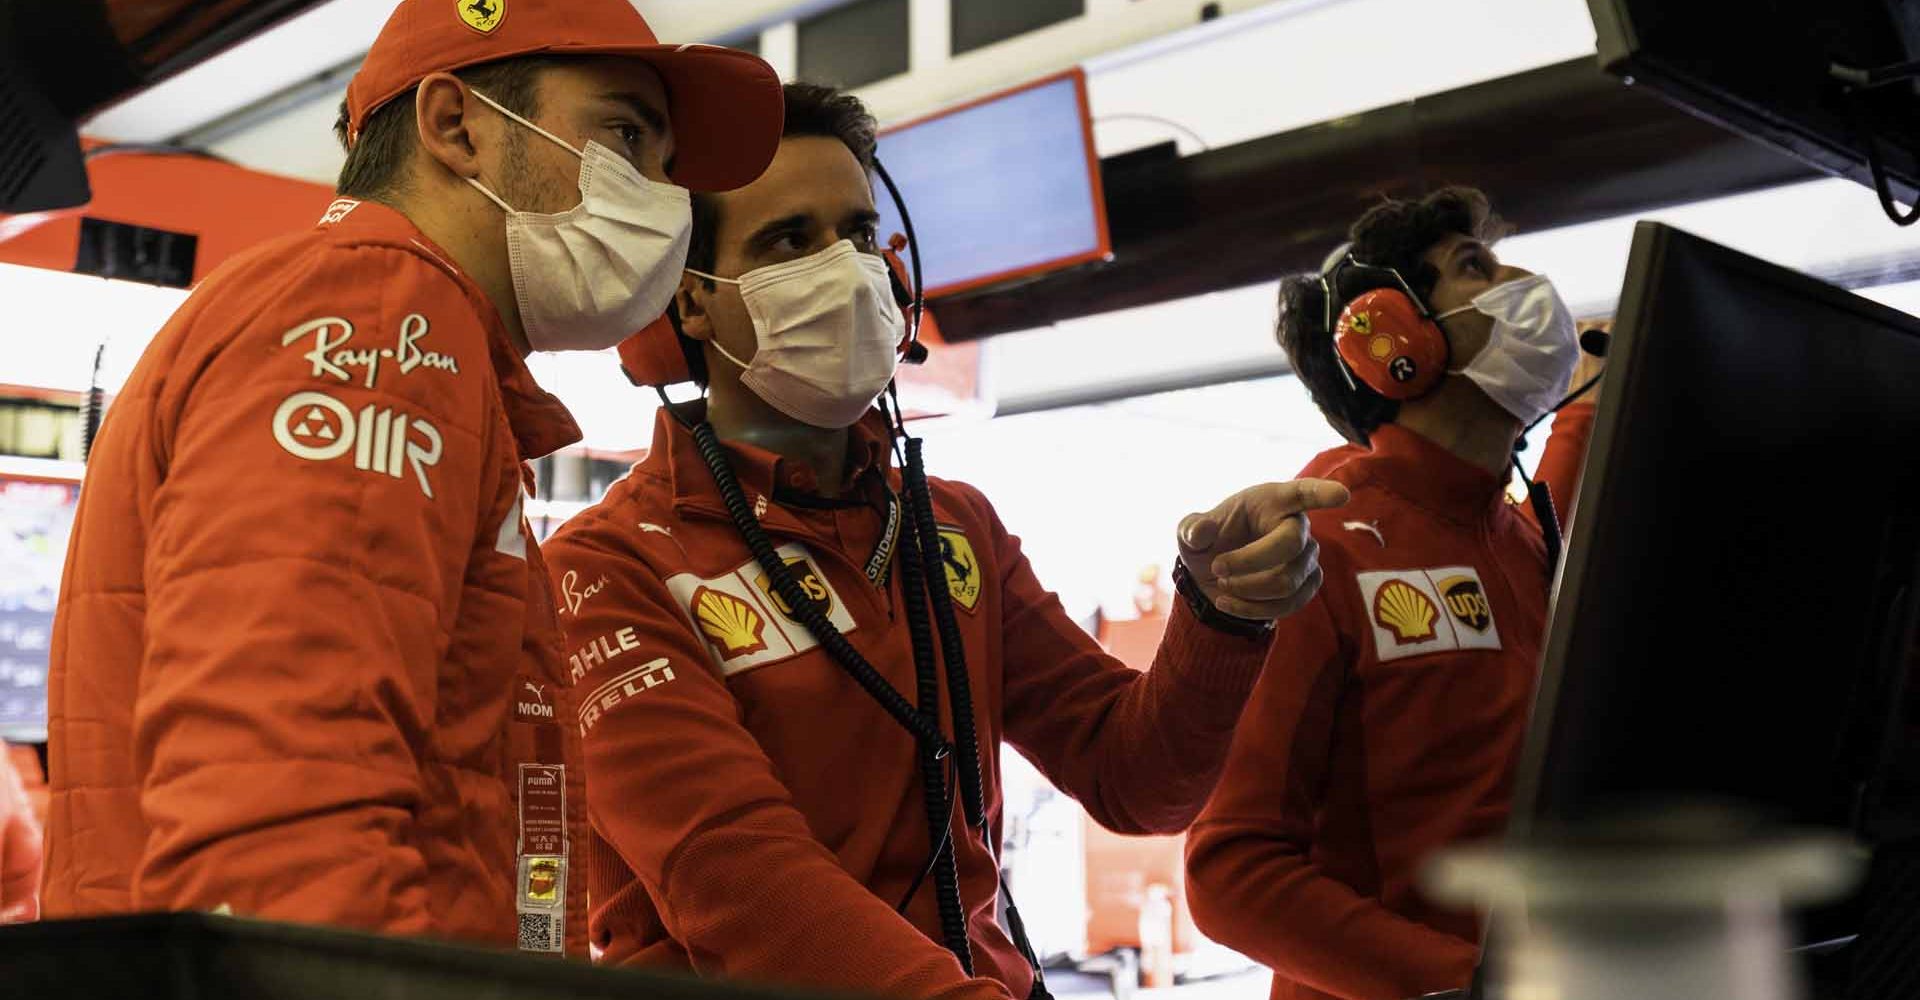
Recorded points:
(725, 104)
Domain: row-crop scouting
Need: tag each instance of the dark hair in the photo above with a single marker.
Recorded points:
(812, 110)
(1394, 234)
(377, 160)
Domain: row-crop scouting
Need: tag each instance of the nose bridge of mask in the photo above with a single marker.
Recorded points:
(1504, 292)
(755, 283)
(772, 274)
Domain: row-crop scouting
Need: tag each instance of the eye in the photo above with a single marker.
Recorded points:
(632, 136)
(867, 238)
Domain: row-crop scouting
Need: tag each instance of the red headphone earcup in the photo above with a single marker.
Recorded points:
(1389, 345)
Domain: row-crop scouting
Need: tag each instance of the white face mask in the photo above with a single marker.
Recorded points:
(590, 277)
(828, 332)
(1529, 361)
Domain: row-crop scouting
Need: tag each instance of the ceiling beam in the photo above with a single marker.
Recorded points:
(1555, 146)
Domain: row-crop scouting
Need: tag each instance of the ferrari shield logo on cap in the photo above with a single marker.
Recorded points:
(482, 15)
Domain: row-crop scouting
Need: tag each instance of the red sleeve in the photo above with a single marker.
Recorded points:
(1251, 880)
(681, 789)
(19, 847)
(1565, 457)
(1140, 751)
(300, 598)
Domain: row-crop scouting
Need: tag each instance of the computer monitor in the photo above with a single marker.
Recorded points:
(1000, 189)
(1735, 620)
(1764, 68)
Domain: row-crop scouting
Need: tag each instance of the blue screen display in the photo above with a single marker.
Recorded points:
(998, 187)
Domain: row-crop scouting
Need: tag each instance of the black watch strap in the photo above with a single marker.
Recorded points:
(1210, 616)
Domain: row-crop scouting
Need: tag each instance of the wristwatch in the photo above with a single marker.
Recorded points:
(1210, 616)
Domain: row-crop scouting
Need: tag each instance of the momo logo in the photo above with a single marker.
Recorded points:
(319, 428)
(963, 568)
(481, 15)
(812, 584)
(735, 628)
(1404, 609)
(531, 704)
(1466, 602)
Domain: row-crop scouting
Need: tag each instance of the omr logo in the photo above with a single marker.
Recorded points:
(319, 428)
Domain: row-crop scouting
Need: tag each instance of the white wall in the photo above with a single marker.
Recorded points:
(1264, 67)
(1096, 492)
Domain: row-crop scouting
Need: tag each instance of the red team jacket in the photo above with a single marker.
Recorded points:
(755, 814)
(1386, 726)
(305, 654)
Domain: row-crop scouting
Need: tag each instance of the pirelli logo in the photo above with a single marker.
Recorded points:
(615, 692)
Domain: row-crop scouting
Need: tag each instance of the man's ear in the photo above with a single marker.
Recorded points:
(695, 324)
(449, 130)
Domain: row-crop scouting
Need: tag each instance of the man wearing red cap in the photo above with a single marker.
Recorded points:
(306, 665)
(796, 663)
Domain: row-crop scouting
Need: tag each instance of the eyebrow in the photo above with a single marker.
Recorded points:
(798, 220)
(642, 108)
(1467, 247)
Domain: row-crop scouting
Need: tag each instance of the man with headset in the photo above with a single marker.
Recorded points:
(796, 663)
(1390, 719)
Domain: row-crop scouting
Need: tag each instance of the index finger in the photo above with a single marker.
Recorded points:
(1302, 495)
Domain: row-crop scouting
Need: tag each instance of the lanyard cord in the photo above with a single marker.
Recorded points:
(918, 585)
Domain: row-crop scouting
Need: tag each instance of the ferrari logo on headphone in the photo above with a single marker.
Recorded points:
(482, 15)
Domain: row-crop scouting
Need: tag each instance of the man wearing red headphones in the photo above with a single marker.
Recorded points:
(1392, 724)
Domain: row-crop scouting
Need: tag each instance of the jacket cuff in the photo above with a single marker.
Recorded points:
(1208, 659)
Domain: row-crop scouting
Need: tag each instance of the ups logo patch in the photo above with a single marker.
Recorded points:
(814, 586)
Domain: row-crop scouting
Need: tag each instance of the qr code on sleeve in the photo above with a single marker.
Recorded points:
(541, 932)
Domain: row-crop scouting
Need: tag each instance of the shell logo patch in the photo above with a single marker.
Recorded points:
(962, 566)
(812, 584)
(735, 628)
(481, 15)
(1404, 608)
(1466, 602)
(743, 625)
(1380, 347)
